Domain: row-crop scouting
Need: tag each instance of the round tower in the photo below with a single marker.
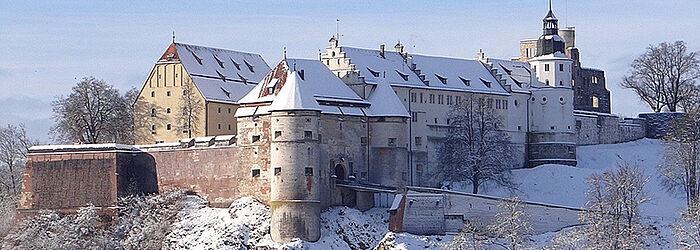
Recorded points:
(295, 181)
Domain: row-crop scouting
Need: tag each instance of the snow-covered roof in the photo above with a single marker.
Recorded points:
(556, 55)
(458, 74)
(442, 73)
(220, 75)
(517, 74)
(377, 69)
(385, 102)
(301, 84)
(293, 97)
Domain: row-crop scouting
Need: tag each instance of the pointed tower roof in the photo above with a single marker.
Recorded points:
(293, 97)
(385, 102)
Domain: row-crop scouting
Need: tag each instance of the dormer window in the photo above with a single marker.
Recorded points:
(235, 64)
(403, 75)
(374, 73)
(245, 81)
(466, 82)
(250, 67)
(228, 94)
(442, 79)
(199, 60)
(223, 78)
(487, 83)
(301, 74)
(221, 63)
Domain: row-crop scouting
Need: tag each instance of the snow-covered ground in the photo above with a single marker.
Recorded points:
(565, 185)
(246, 223)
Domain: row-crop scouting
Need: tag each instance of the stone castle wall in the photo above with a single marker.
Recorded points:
(597, 128)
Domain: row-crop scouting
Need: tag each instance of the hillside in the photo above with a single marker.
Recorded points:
(565, 185)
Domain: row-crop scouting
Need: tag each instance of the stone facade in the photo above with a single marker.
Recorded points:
(600, 128)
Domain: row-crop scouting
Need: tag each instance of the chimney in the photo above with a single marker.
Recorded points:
(481, 56)
(399, 47)
(381, 50)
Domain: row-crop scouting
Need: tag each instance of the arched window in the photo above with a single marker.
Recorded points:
(340, 172)
(153, 112)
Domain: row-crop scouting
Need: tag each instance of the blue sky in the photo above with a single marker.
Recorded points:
(47, 46)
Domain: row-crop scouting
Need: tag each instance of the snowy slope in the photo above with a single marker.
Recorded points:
(565, 185)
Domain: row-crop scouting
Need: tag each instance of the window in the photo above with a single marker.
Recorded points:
(167, 110)
(167, 93)
(413, 97)
(505, 104)
(229, 127)
(278, 134)
(278, 171)
(363, 140)
(167, 127)
(561, 83)
(229, 110)
(458, 100)
(308, 135)
(449, 100)
(255, 173)
(440, 99)
(419, 141)
(489, 103)
(534, 68)
(256, 138)
(487, 83)
(309, 171)
(153, 112)
(391, 142)
(561, 67)
(218, 126)
(498, 104)
(573, 82)
(414, 116)
(153, 94)
(250, 67)
(546, 67)
(235, 64)
(594, 79)
(595, 101)
(421, 97)
(153, 127)
(431, 98)
(219, 110)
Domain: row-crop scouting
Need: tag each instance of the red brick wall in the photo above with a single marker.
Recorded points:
(218, 175)
(67, 180)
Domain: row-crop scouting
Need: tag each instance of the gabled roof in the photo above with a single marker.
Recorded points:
(442, 73)
(293, 97)
(454, 72)
(517, 74)
(220, 75)
(301, 84)
(388, 69)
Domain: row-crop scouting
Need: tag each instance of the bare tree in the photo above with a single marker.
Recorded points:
(93, 112)
(612, 210)
(687, 229)
(511, 223)
(662, 76)
(679, 171)
(14, 144)
(190, 109)
(473, 236)
(475, 148)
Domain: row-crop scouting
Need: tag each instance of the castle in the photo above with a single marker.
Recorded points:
(312, 133)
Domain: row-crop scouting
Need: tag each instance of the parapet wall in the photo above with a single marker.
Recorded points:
(433, 211)
(599, 128)
(214, 173)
